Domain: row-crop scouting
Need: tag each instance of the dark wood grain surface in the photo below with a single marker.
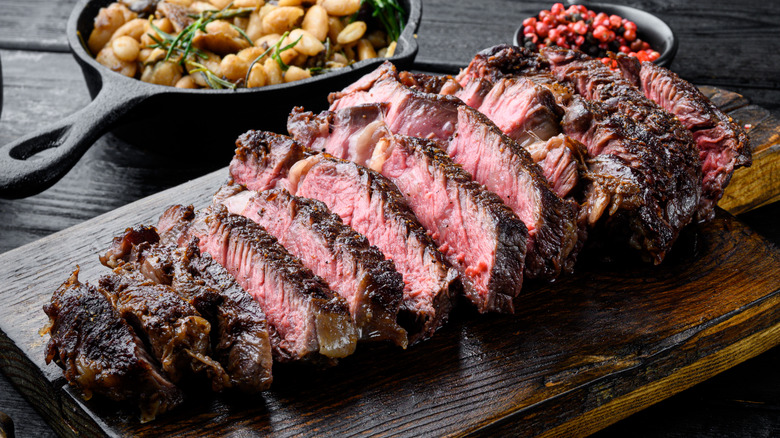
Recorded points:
(727, 44)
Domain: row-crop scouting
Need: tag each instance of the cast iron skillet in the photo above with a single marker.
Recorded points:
(188, 121)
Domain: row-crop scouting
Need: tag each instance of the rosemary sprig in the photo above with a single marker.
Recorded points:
(213, 80)
(390, 14)
(277, 52)
(243, 34)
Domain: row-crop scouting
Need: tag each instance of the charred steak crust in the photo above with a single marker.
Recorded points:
(100, 352)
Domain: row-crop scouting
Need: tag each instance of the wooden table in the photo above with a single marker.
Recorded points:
(731, 45)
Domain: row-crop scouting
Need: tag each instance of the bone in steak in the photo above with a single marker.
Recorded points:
(100, 352)
(370, 204)
(723, 144)
(472, 141)
(306, 319)
(238, 325)
(351, 266)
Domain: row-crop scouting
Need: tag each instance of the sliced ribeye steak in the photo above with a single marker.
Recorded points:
(370, 204)
(306, 319)
(491, 157)
(351, 266)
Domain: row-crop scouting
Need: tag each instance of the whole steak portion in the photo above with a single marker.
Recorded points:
(351, 266)
(306, 319)
(370, 204)
(100, 352)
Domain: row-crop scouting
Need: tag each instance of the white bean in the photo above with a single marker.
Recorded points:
(353, 32)
(126, 48)
(257, 77)
(186, 82)
(296, 74)
(340, 8)
(365, 50)
(108, 58)
(273, 72)
(308, 44)
(233, 68)
(316, 22)
(282, 19)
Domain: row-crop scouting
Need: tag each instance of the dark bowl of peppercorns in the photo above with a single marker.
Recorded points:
(598, 29)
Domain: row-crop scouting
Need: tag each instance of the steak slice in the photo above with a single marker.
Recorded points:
(452, 207)
(503, 166)
(239, 333)
(474, 229)
(100, 352)
(723, 144)
(177, 334)
(306, 319)
(373, 206)
(351, 266)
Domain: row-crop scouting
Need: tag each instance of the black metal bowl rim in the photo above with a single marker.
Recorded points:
(406, 45)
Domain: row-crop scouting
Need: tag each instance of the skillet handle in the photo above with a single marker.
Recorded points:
(6, 426)
(36, 161)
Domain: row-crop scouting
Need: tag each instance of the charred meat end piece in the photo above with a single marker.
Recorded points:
(371, 286)
(306, 318)
(241, 341)
(100, 353)
(177, 334)
(239, 332)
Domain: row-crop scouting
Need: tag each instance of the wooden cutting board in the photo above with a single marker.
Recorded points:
(580, 353)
